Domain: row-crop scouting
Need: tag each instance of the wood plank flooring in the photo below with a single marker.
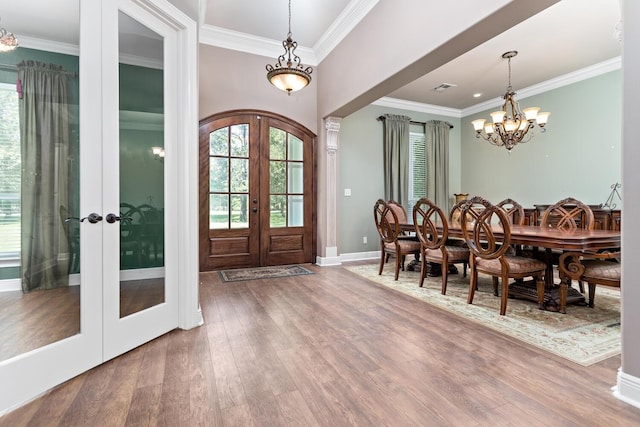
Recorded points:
(331, 349)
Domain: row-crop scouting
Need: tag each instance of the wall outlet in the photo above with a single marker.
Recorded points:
(364, 240)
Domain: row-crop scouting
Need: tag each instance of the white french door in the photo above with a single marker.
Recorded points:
(137, 243)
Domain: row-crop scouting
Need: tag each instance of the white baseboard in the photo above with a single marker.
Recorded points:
(627, 389)
(327, 261)
(360, 256)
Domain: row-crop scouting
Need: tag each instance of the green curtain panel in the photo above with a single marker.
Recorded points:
(44, 138)
(437, 146)
(396, 158)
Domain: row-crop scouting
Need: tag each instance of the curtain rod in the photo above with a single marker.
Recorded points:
(381, 118)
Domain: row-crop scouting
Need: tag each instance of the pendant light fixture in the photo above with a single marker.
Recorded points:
(288, 73)
(511, 125)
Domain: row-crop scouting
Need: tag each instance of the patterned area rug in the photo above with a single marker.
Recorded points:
(240, 274)
(584, 335)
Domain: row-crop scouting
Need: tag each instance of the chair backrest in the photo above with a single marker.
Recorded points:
(483, 238)
(454, 213)
(568, 214)
(386, 222)
(514, 211)
(427, 217)
(401, 213)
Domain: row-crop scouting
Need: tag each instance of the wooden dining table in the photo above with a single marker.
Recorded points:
(549, 238)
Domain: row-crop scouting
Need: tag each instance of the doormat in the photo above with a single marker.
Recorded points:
(271, 272)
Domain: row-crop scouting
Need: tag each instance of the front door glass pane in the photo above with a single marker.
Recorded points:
(142, 170)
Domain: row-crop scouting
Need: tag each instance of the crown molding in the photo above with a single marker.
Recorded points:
(418, 106)
(48, 45)
(243, 42)
(555, 83)
(350, 17)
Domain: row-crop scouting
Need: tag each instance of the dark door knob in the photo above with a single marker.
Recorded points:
(111, 218)
(93, 218)
(255, 209)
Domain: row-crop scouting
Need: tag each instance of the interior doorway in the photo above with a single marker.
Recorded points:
(257, 191)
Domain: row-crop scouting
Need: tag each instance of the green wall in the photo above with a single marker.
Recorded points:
(360, 169)
(578, 156)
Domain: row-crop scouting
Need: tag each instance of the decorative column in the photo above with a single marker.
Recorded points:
(328, 195)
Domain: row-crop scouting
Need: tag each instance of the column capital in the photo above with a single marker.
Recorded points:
(332, 125)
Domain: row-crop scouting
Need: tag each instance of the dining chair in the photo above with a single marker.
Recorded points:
(388, 227)
(489, 247)
(514, 211)
(594, 268)
(566, 214)
(428, 220)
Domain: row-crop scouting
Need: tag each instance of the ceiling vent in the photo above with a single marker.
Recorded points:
(443, 87)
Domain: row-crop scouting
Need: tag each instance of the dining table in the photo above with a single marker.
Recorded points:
(579, 240)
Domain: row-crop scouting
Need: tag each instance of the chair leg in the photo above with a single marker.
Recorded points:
(473, 282)
(495, 285)
(398, 262)
(540, 288)
(423, 268)
(592, 293)
(505, 295)
(382, 261)
(445, 275)
(564, 288)
(581, 285)
(464, 269)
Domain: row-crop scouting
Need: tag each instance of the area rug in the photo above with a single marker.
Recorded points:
(263, 273)
(584, 335)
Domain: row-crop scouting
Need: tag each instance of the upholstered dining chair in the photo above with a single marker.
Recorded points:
(388, 227)
(489, 245)
(593, 268)
(428, 219)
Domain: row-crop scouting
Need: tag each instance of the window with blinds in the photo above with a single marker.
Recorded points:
(417, 167)
(9, 173)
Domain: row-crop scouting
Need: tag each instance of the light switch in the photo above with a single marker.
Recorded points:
(347, 192)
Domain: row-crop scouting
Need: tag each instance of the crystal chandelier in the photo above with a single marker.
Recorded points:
(288, 73)
(511, 125)
(8, 41)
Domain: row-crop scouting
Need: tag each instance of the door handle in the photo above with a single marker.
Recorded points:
(255, 209)
(92, 217)
(111, 218)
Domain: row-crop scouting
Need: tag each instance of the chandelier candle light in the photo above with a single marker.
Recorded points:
(8, 41)
(288, 73)
(510, 126)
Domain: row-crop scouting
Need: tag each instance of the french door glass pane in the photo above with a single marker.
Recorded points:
(218, 211)
(295, 148)
(240, 140)
(39, 190)
(277, 182)
(142, 274)
(239, 211)
(219, 174)
(219, 142)
(239, 175)
(295, 210)
(296, 177)
(277, 211)
(277, 147)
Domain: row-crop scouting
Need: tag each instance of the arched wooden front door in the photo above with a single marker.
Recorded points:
(257, 191)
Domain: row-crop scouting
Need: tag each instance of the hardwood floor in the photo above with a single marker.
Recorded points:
(331, 349)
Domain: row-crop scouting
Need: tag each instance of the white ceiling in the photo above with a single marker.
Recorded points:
(565, 38)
